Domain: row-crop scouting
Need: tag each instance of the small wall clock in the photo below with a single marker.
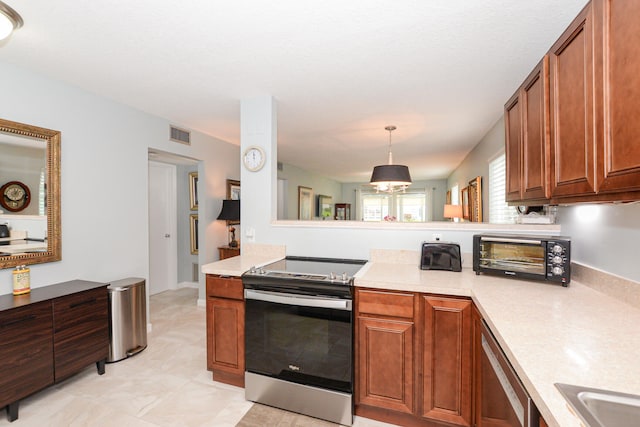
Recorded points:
(15, 196)
(254, 158)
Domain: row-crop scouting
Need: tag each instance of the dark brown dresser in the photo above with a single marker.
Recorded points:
(50, 334)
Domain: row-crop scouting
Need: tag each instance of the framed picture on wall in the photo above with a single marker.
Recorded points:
(193, 190)
(193, 233)
(325, 208)
(233, 193)
(464, 201)
(305, 203)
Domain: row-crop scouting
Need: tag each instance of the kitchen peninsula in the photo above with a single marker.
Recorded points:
(549, 333)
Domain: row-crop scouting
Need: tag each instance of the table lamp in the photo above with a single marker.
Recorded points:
(452, 211)
(231, 212)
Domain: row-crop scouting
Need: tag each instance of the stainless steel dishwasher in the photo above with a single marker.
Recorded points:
(503, 399)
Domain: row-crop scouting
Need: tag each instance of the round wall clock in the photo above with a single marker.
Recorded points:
(14, 196)
(254, 158)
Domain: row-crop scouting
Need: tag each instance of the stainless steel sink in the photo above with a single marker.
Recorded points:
(602, 408)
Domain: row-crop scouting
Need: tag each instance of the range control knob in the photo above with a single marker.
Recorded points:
(557, 270)
(557, 259)
(332, 276)
(344, 277)
(557, 249)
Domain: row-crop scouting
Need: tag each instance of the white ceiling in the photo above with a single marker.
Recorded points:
(340, 70)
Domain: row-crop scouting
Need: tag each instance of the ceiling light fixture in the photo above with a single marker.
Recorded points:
(390, 178)
(10, 20)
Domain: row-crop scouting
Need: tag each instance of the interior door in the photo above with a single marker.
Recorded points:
(163, 247)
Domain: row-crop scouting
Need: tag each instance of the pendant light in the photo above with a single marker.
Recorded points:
(390, 178)
(10, 20)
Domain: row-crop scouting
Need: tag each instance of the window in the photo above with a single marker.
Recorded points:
(499, 211)
(412, 206)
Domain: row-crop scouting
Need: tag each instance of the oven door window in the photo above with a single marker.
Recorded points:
(521, 258)
(305, 345)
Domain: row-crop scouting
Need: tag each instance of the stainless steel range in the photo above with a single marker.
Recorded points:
(298, 333)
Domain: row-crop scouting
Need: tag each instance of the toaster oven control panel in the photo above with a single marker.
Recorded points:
(558, 261)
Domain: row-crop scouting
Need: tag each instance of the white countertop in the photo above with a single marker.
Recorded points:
(550, 333)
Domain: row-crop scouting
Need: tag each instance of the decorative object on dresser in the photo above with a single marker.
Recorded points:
(230, 212)
(228, 252)
(49, 335)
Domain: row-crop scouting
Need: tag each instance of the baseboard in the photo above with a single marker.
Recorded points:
(201, 303)
(188, 285)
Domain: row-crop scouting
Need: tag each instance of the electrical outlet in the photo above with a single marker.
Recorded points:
(436, 237)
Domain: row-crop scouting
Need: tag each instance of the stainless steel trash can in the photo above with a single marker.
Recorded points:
(127, 318)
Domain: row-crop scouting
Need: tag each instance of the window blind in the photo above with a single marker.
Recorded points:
(499, 211)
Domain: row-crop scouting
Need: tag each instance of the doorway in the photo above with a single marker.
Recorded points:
(170, 261)
(163, 229)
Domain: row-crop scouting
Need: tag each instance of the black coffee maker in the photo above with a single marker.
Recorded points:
(4, 232)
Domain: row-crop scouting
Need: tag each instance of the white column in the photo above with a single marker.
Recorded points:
(258, 206)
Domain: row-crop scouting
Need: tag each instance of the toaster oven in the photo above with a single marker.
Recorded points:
(545, 258)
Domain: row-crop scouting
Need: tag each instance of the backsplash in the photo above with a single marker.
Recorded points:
(614, 286)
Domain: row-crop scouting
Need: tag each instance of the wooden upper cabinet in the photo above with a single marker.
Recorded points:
(447, 362)
(513, 138)
(572, 122)
(527, 138)
(617, 36)
(535, 135)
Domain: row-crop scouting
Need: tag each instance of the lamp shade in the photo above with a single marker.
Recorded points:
(452, 211)
(230, 210)
(391, 175)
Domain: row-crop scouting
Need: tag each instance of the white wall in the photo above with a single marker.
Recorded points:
(104, 188)
(319, 184)
(476, 163)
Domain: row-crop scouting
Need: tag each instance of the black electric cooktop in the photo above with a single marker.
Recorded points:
(304, 274)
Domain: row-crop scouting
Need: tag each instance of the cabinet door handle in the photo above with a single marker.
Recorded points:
(78, 304)
(22, 319)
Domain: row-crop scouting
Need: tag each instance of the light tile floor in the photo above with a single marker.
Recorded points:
(166, 385)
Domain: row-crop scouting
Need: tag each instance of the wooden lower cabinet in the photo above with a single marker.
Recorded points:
(225, 329)
(446, 360)
(413, 358)
(385, 361)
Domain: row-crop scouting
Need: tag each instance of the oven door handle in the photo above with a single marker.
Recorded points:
(299, 300)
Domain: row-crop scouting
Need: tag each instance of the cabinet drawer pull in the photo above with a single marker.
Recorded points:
(22, 319)
(78, 304)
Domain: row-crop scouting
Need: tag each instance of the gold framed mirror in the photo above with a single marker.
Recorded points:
(30, 183)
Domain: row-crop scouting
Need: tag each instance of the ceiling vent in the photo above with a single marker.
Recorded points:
(180, 135)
